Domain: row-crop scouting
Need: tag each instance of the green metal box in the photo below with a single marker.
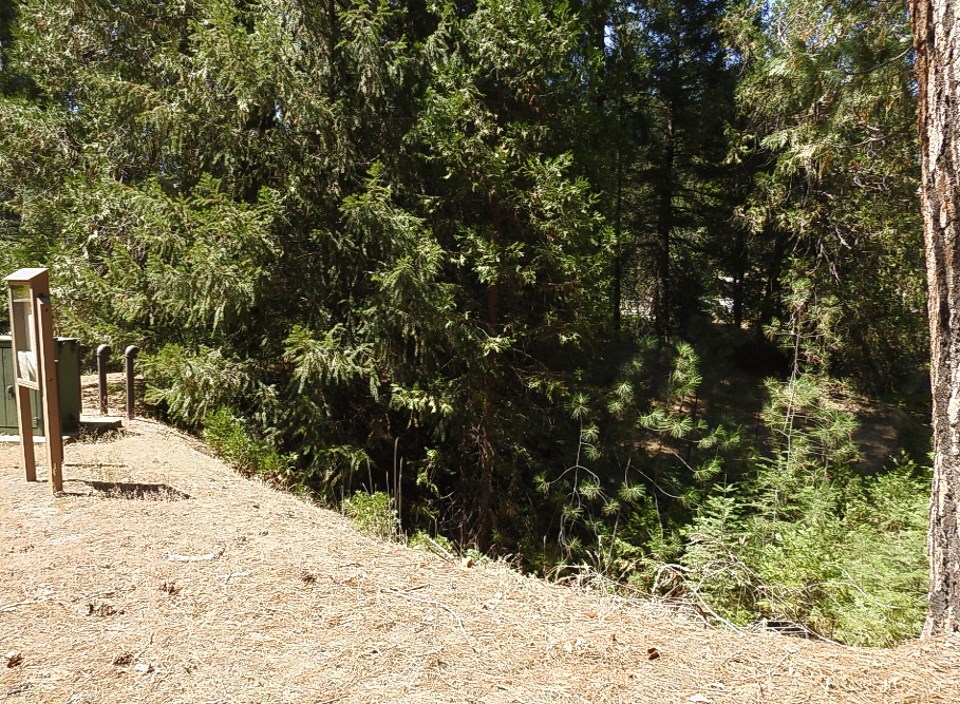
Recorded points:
(68, 383)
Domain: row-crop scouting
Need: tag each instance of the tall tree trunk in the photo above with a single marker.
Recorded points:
(666, 191)
(661, 297)
(333, 41)
(771, 306)
(616, 295)
(739, 276)
(937, 42)
(484, 533)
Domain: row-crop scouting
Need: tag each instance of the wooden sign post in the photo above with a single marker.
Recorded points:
(35, 368)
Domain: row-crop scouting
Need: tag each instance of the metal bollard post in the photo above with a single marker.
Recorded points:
(129, 355)
(103, 352)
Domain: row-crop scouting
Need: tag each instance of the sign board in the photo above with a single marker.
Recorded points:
(35, 368)
(25, 335)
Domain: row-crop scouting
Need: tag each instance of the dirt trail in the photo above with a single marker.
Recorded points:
(162, 576)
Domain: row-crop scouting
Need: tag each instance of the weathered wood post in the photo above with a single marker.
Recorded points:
(129, 355)
(103, 353)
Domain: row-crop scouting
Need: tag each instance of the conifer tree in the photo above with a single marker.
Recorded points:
(828, 104)
(690, 103)
(661, 103)
(519, 231)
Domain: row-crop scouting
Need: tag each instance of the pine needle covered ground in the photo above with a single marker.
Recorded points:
(162, 576)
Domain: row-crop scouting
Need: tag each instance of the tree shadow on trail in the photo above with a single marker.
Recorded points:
(136, 491)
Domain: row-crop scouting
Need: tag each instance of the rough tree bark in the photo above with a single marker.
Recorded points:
(936, 34)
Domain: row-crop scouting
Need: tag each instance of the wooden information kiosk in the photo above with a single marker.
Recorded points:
(35, 367)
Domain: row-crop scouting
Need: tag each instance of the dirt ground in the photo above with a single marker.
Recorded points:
(160, 575)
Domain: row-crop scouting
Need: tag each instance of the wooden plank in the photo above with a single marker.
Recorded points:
(51, 393)
(25, 425)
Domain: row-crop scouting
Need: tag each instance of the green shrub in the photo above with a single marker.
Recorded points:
(373, 513)
(224, 432)
(884, 558)
(848, 563)
(801, 538)
(193, 384)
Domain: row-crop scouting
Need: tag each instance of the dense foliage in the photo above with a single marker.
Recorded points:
(593, 283)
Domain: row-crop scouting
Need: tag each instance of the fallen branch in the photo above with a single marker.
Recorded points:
(11, 607)
(18, 689)
(231, 575)
(445, 607)
(195, 558)
(443, 552)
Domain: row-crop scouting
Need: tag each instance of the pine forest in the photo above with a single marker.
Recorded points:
(614, 290)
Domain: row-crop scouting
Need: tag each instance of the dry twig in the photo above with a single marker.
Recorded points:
(439, 604)
(195, 558)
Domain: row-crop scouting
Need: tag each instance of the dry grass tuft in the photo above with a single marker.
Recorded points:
(161, 576)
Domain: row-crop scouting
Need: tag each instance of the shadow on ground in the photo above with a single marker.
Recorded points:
(131, 490)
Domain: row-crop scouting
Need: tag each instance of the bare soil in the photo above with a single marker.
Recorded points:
(160, 575)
